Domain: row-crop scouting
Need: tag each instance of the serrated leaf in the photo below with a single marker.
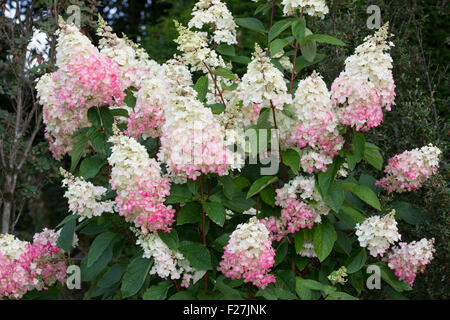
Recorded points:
(197, 254)
(251, 23)
(373, 156)
(78, 151)
(65, 238)
(260, 184)
(158, 292)
(324, 238)
(98, 246)
(291, 158)
(169, 238)
(278, 28)
(94, 117)
(112, 276)
(201, 87)
(356, 260)
(90, 166)
(364, 193)
(189, 213)
(215, 211)
(325, 38)
(133, 279)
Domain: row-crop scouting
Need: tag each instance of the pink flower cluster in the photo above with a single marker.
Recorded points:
(35, 265)
(409, 170)
(295, 215)
(367, 85)
(141, 190)
(410, 258)
(249, 254)
(364, 102)
(85, 78)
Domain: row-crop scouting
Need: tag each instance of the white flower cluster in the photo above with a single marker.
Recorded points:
(84, 198)
(378, 233)
(132, 59)
(216, 13)
(308, 250)
(192, 139)
(11, 246)
(195, 49)
(262, 86)
(167, 262)
(317, 127)
(310, 7)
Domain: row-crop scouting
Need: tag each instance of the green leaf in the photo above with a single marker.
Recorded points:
(339, 295)
(224, 73)
(78, 151)
(100, 144)
(226, 49)
(324, 38)
(120, 112)
(65, 238)
(299, 238)
(279, 27)
(240, 59)
(310, 284)
(357, 153)
(344, 242)
(170, 238)
(107, 119)
(182, 295)
(158, 292)
(373, 156)
(291, 158)
(179, 193)
(281, 252)
(303, 63)
(133, 279)
(100, 244)
(324, 238)
(215, 211)
(89, 273)
(130, 99)
(228, 292)
(276, 45)
(197, 254)
(263, 119)
(112, 276)
(389, 276)
(357, 216)
(356, 260)
(239, 204)
(216, 108)
(268, 196)
(94, 117)
(260, 184)
(335, 196)
(364, 193)
(67, 219)
(240, 183)
(189, 213)
(309, 49)
(408, 212)
(90, 166)
(228, 186)
(251, 23)
(298, 30)
(201, 86)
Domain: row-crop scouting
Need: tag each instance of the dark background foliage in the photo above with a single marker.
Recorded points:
(420, 116)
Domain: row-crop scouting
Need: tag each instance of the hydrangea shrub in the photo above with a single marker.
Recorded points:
(195, 182)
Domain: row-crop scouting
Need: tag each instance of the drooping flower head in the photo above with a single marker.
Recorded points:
(409, 170)
(407, 259)
(84, 197)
